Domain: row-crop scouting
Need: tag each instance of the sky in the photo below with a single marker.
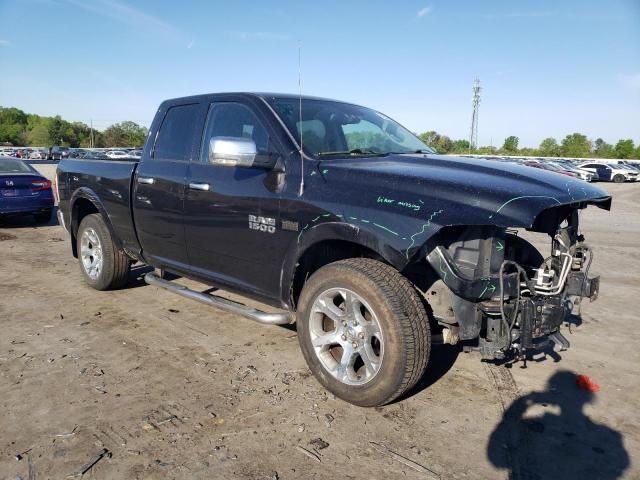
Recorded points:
(547, 68)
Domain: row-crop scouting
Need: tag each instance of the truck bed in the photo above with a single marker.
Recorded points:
(107, 183)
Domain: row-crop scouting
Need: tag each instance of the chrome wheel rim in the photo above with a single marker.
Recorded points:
(346, 336)
(91, 253)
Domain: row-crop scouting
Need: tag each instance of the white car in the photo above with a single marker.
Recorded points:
(611, 172)
(117, 154)
(38, 155)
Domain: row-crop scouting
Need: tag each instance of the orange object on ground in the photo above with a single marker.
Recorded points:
(585, 383)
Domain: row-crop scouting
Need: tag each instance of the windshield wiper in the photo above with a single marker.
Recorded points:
(412, 151)
(355, 151)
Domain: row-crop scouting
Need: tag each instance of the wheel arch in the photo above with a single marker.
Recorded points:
(328, 243)
(86, 202)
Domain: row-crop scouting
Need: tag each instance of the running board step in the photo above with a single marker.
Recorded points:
(221, 303)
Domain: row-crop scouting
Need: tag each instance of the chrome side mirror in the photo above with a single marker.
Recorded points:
(232, 151)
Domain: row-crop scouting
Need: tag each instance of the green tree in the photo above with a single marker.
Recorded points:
(460, 146)
(575, 145)
(38, 137)
(636, 154)
(549, 147)
(12, 133)
(125, 134)
(624, 148)
(510, 144)
(602, 149)
(487, 150)
(444, 144)
(430, 138)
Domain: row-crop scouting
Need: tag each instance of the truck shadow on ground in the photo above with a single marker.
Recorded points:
(136, 276)
(559, 443)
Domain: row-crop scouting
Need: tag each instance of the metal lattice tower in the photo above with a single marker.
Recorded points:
(473, 137)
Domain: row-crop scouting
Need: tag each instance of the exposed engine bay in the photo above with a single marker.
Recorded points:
(497, 294)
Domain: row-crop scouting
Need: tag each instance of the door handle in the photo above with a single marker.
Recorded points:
(147, 180)
(199, 186)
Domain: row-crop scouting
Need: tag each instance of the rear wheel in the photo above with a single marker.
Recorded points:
(103, 265)
(619, 178)
(363, 331)
(42, 217)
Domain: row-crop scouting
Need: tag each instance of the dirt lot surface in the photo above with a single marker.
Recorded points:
(174, 389)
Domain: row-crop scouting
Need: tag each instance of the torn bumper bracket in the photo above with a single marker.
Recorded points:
(580, 285)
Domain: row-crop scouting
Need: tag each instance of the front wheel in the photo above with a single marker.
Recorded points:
(619, 178)
(103, 265)
(363, 331)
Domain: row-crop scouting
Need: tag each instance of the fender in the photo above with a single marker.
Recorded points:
(88, 194)
(335, 231)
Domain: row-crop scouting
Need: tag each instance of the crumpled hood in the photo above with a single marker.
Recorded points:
(458, 190)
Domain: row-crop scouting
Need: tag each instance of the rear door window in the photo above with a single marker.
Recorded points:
(176, 135)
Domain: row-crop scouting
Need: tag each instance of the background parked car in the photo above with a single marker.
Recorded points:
(23, 191)
(58, 153)
(548, 166)
(117, 154)
(38, 155)
(573, 165)
(585, 175)
(611, 172)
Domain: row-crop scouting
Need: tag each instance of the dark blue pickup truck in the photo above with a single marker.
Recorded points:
(347, 223)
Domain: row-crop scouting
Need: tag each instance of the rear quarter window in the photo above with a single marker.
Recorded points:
(176, 134)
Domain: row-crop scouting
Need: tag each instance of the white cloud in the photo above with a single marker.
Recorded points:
(630, 80)
(241, 35)
(424, 11)
(518, 15)
(4, 43)
(127, 14)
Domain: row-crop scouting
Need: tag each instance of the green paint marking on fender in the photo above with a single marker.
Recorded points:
(488, 288)
(520, 198)
(500, 246)
(385, 228)
(413, 237)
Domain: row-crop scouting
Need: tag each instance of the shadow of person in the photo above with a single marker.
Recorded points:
(546, 435)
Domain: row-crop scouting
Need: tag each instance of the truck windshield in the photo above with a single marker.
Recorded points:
(341, 130)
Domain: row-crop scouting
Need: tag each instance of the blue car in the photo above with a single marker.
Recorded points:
(23, 191)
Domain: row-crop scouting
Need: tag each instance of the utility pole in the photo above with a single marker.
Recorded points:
(473, 137)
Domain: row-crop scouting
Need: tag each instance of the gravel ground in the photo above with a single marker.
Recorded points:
(174, 389)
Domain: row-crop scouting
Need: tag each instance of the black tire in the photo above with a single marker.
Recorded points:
(114, 271)
(402, 319)
(43, 217)
(619, 178)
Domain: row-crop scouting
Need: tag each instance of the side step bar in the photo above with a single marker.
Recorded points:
(221, 303)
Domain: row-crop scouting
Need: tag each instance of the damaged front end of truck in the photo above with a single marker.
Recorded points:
(496, 293)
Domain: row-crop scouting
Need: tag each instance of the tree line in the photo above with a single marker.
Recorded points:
(26, 129)
(573, 145)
